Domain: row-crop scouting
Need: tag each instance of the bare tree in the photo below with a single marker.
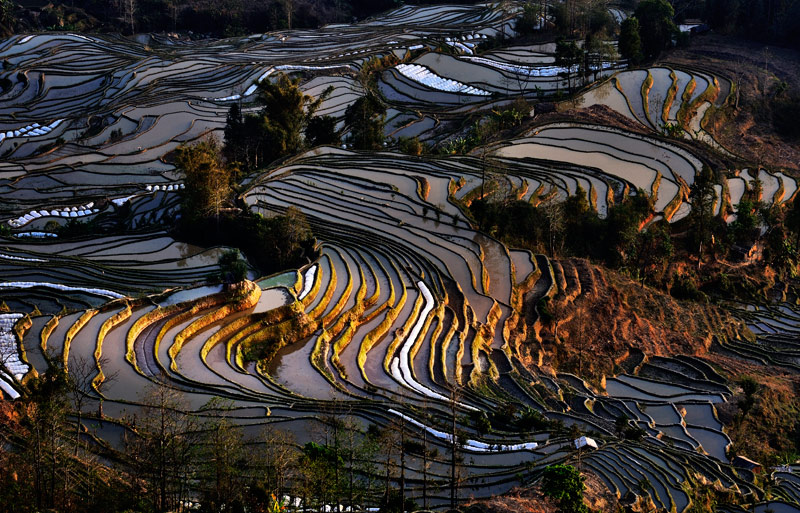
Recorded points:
(127, 10)
(739, 69)
(223, 458)
(456, 442)
(289, 7)
(175, 6)
(82, 373)
(277, 461)
(46, 417)
(580, 318)
(766, 54)
(425, 463)
(163, 446)
(554, 214)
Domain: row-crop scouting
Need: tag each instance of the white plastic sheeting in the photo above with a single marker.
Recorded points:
(9, 355)
(58, 286)
(469, 445)
(308, 281)
(32, 130)
(427, 78)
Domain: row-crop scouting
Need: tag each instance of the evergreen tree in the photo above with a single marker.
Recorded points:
(630, 44)
(235, 134)
(568, 55)
(232, 267)
(622, 227)
(793, 221)
(366, 119)
(651, 252)
(286, 112)
(223, 461)
(282, 127)
(206, 178)
(702, 197)
(564, 484)
(656, 27)
(162, 448)
(321, 130)
(529, 22)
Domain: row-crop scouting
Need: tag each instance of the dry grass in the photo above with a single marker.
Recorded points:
(770, 427)
(596, 496)
(614, 317)
(748, 129)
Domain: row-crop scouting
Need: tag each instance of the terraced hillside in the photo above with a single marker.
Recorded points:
(410, 315)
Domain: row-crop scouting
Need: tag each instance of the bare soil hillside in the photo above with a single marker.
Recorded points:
(760, 72)
(598, 320)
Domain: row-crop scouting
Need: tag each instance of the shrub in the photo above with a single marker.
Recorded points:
(785, 116)
(685, 287)
(564, 484)
(232, 267)
(673, 130)
(411, 146)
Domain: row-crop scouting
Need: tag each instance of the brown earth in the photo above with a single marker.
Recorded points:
(769, 430)
(758, 70)
(602, 320)
(596, 497)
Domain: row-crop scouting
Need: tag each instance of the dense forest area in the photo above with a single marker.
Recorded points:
(211, 17)
(769, 21)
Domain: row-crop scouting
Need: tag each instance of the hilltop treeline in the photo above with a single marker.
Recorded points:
(664, 253)
(211, 17)
(769, 21)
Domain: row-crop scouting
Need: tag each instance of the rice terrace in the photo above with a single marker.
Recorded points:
(371, 256)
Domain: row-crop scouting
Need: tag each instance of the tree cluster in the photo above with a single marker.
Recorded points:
(211, 17)
(579, 19)
(284, 125)
(210, 217)
(219, 18)
(172, 458)
(648, 32)
(45, 460)
(585, 59)
(569, 227)
(584, 29)
(769, 21)
(572, 228)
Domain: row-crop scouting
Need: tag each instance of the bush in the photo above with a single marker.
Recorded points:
(271, 244)
(232, 267)
(411, 146)
(785, 116)
(565, 484)
(685, 287)
(673, 130)
(544, 311)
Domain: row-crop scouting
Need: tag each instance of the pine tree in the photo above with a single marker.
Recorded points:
(366, 119)
(656, 27)
(630, 44)
(702, 197)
